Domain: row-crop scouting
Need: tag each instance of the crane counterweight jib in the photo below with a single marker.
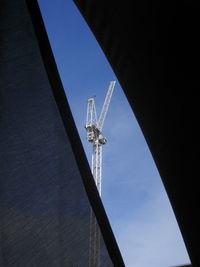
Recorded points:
(91, 118)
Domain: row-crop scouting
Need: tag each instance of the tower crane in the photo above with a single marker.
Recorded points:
(94, 128)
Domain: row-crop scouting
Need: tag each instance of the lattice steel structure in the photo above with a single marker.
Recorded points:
(94, 128)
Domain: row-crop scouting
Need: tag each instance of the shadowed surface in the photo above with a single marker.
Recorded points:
(153, 48)
(44, 205)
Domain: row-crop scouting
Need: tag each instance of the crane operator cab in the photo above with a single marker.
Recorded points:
(102, 140)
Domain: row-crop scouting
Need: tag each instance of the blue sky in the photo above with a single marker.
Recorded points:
(132, 191)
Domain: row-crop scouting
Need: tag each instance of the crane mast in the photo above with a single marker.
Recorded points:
(94, 128)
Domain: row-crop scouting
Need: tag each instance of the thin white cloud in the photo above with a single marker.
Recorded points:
(152, 238)
(134, 196)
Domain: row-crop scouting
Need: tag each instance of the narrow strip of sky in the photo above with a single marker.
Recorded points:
(132, 191)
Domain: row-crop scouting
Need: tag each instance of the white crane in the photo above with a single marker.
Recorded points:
(94, 128)
(94, 133)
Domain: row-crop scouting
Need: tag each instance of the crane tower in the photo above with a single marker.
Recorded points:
(94, 128)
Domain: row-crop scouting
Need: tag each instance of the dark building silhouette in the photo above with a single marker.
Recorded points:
(46, 188)
(153, 48)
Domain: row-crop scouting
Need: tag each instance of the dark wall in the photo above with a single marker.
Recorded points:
(46, 187)
(153, 48)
